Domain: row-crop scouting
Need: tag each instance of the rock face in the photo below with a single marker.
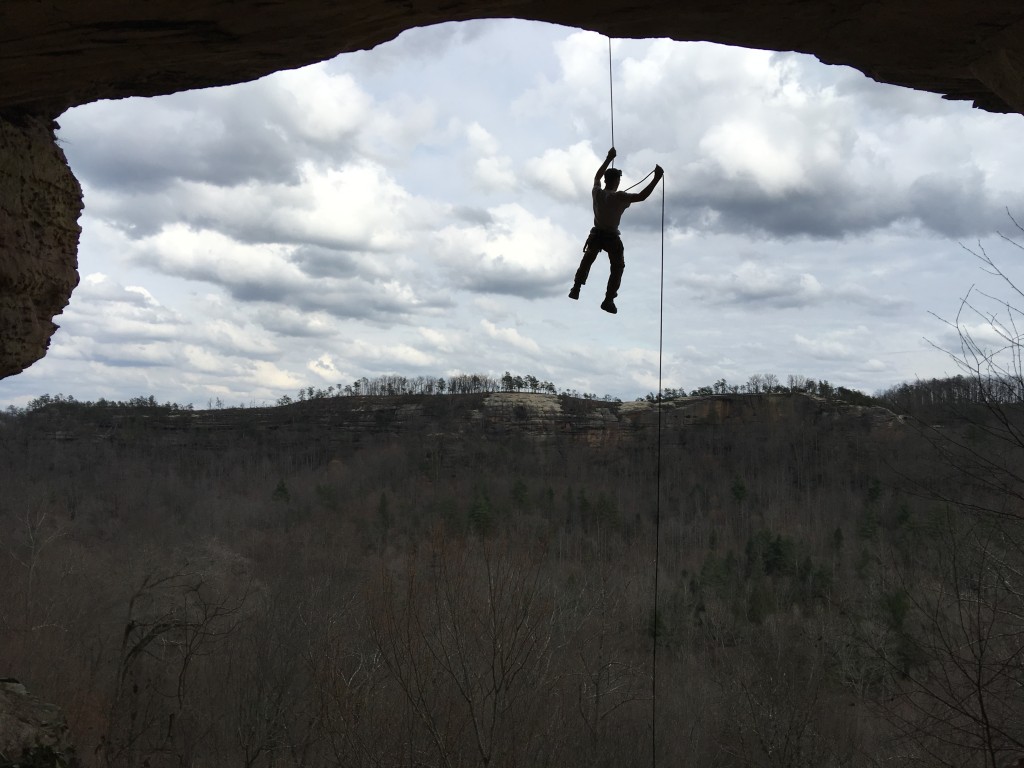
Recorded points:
(63, 53)
(40, 202)
(32, 734)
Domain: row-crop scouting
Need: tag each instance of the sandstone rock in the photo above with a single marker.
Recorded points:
(40, 202)
(32, 734)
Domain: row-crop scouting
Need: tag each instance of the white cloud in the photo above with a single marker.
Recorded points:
(833, 345)
(495, 173)
(289, 321)
(756, 283)
(269, 375)
(202, 360)
(516, 253)
(439, 340)
(509, 336)
(316, 105)
(356, 207)
(746, 154)
(492, 170)
(565, 174)
(325, 368)
(229, 337)
(481, 142)
(985, 335)
(213, 257)
(386, 357)
(103, 307)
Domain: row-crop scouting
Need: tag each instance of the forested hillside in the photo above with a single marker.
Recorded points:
(469, 580)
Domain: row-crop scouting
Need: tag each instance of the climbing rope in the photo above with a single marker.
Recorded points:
(645, 178)
(657, 506)
(611, 95)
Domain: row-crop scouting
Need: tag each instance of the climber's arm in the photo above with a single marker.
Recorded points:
(604, 167)
(644, 193)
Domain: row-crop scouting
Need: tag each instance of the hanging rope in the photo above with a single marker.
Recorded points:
(657, 505)
(611, 94)
(657, 511)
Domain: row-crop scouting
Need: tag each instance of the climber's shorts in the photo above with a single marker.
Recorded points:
(602, 240)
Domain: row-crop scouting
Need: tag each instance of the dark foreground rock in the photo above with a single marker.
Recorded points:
(33, 734)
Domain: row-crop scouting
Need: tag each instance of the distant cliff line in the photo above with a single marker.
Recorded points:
(394, 385)
(924, 398)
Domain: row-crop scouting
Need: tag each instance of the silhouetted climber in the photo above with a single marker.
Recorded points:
(609, 205)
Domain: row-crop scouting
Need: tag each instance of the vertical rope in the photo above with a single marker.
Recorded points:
(611, 94)
(657, 512)
(657, 506)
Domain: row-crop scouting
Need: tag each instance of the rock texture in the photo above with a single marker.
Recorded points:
(61, 53)
(32, 734)
(65, 52)
(40, 202)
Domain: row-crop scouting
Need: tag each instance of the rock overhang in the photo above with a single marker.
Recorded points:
(64, 53)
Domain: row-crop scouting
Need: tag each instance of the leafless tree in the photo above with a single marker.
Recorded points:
(467, 632)
(955, 615)
(172, 621)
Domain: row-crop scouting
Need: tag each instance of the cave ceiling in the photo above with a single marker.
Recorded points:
(62, 53)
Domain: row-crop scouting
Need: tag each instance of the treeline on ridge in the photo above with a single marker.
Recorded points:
(923, 397)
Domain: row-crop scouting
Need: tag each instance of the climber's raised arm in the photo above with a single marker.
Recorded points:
(644, 193)
(604, 167)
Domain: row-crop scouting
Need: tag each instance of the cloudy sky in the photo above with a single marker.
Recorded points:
(420, 209)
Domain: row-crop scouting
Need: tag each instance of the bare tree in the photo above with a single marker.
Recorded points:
(173, 621)
(954, 645)
(467, 632)
(34, 534)
(611, 677)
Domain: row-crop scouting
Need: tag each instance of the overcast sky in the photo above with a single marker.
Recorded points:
(421, 208)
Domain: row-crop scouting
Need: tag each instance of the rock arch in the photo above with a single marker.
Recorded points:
(63, 53)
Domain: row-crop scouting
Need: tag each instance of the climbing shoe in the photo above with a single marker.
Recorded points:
(575, 292)
(609, 306)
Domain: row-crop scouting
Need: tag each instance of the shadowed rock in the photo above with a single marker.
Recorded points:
(32, 733)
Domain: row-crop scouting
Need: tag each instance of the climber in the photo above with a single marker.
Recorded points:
(609, 205)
